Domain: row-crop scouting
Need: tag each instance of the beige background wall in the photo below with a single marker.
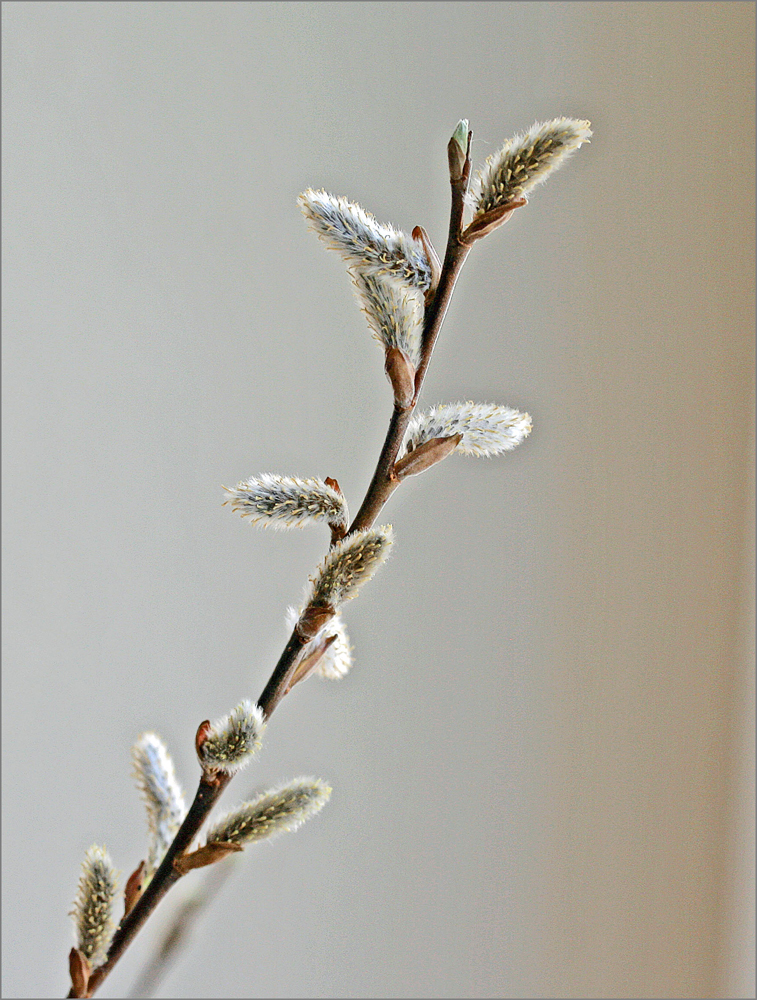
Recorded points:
(542, 761)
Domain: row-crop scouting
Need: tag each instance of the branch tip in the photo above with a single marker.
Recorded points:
(457, 151)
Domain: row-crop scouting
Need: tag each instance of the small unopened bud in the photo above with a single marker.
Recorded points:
(428, 454)
(134, 887)
(80, 970)
(401, 374)
(457, 150)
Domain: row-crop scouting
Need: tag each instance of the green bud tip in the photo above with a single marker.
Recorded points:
(460, 135)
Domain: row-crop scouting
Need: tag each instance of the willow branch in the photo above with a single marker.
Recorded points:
(384, 482)
(382, 485)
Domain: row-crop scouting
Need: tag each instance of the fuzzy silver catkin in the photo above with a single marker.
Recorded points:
(163, 798)
(364, 243)
(337, 659)
(273, 812)
(525, 161)
(232, 742)
(394, 311)
(282, 502)
(487, 429)
(349, 564)
(93, 907)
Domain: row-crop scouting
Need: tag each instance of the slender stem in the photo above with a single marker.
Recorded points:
(382, 485)
(179, 931)
(205, 798)
(278, 682)
(208, 793)
(454, 258)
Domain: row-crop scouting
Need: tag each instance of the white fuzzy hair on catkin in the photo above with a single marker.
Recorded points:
(93, 907)
(394, 311)
(486, 428)
(282, 502)
(349, 564)
(273, 812)
(525, 161)
(232, 742)
(368, 245)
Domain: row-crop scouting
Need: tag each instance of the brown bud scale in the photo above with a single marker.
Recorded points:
(425, 455)
(208, 855)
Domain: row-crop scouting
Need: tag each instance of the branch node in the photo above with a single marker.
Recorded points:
(312, 620)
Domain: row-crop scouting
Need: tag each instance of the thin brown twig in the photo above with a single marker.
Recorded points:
(382, 485)
(177, 935)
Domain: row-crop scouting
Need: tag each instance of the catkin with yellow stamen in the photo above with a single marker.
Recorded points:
(271, 813)
(367, 245)
(93, 907)
(525, 161)
(349, 564)
(282, 502)
(230, 743)
(394, 312)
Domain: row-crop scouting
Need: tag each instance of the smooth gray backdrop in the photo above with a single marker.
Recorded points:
(541, 760)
